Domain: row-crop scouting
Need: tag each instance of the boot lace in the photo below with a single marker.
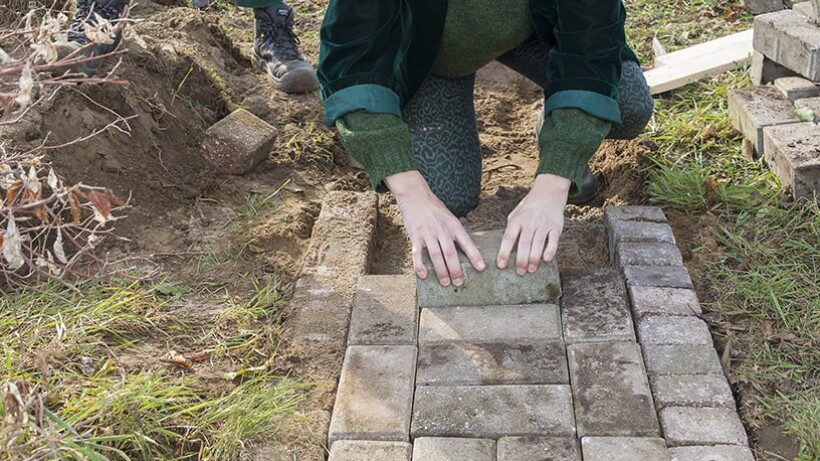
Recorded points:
(85, 15)
(279, 36)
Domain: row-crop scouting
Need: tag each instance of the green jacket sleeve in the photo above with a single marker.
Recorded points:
(380, 142)
(567, 140)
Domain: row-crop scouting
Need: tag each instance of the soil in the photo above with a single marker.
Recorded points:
(187, 69)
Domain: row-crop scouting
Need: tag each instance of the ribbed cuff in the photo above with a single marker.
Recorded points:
(567, 140)
(380, 142)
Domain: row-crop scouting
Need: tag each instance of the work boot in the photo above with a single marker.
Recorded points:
(276, 50)
(587, 189)
(86, 15)
(200, 4)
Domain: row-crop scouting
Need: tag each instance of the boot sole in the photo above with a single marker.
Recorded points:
(296, 81)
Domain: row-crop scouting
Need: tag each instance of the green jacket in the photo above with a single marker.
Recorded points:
(374, 55)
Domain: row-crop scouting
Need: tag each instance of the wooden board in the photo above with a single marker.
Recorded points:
(688, 65)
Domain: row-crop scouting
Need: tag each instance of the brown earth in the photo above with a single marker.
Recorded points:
(187, 69)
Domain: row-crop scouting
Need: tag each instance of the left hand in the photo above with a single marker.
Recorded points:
(536, 223)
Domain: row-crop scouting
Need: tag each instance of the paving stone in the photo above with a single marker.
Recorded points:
(492, 363)
(238, 143)
(692, 391)
(794, 88)
(663, 301)
(538, 449)
(812, 104)
(492, 411)
(375, 394)
(610, 389)
(763, 6)
(809, 9)
(595, 306)
(624, 449)
(793, 154)
(633, 213)
(647, 254)
(661, 329)
(384, 311)
(752, 109)
(702, 426)
(658, 276)
(681, 359)
(490, 324)
(453, 449)
(764, 70)
(365, 450)
(791, 40)
(493, 286)
(637, 231)
(712, 453)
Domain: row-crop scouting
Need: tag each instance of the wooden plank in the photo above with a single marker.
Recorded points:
(682, 67)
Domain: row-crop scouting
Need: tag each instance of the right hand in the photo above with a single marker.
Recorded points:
(430, 225)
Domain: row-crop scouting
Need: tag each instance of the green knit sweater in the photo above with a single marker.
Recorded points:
(474, 35)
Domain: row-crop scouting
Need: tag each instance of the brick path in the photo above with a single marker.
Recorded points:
(621, 368)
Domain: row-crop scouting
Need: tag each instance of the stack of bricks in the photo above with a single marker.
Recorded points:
(780, 121)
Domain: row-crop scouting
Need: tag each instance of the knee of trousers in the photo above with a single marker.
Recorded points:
(460, 206)
(636, 104)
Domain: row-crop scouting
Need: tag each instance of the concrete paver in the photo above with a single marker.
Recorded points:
(534, 322)
(492, 411)
(384, 311)
(793, 154)
(610, 389)
(492, 363)
(711, 453)
(238, 143)
(673, 330)
(647, 254)
(535, 448)
(692, 391)
(658, 276)
(624, 449)
(702, 426)
(794, 88)
(595, 306)
(453, 449)
(633, 213)
(366, 450)
(680, 359)
(752, 109)
(663, 301)
(789, 39)
(636, 231)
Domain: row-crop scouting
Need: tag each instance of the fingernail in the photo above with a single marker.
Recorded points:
(458, 282)
(481, 266)
(520, 271)
(445, 282)
(532, 268)
(421, 274)
(501, 264)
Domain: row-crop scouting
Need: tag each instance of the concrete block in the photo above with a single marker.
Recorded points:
(490, 324)
(702, 426)
(492, 411)
(493, 286)
(752, 109)
(764, 70)
(663, 301)
(384, 311)
(712, 453)
(647, 254)
(238, 143)
(375, 394)
(812, 104)
(633, 213)
(453, 449)
(624, 449)
(595, 306)
(791, 40)
(658, 276)
(762, 6)
(683, 359)
(611, 391)
(794, 88)
(808, 9)
(692, 391)
(673, 330)
(794, 156)
(637, 231)
(364, 450)
(538, 449)
(492, 363)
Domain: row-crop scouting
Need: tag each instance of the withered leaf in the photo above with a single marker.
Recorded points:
(175, 358)
(100, 201)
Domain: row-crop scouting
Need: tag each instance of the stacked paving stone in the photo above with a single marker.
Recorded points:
(780, 122)
(437, 374)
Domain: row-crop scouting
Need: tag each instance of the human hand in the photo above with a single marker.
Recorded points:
(536, 223)
(430, 225)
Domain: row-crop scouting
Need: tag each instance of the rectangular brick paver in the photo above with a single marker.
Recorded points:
(238, 143)
(794, 88)
(595, 306)
(493, 286)
(789, 39)
(492, 411)
(793, 154)
(624, 449)
(712, 453)
(610, 390)
(363, 450)
(452, 448)
(633, 213)
(661, 329)
(384, 311)
(752, 109)
(647, 254)
(663, 301)
(658, 276)
(534, 448)
(637, 231)
(702, 426)
(375, 394)
(692, 391)
(492, 363)
(680, 359)
(479, 324)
